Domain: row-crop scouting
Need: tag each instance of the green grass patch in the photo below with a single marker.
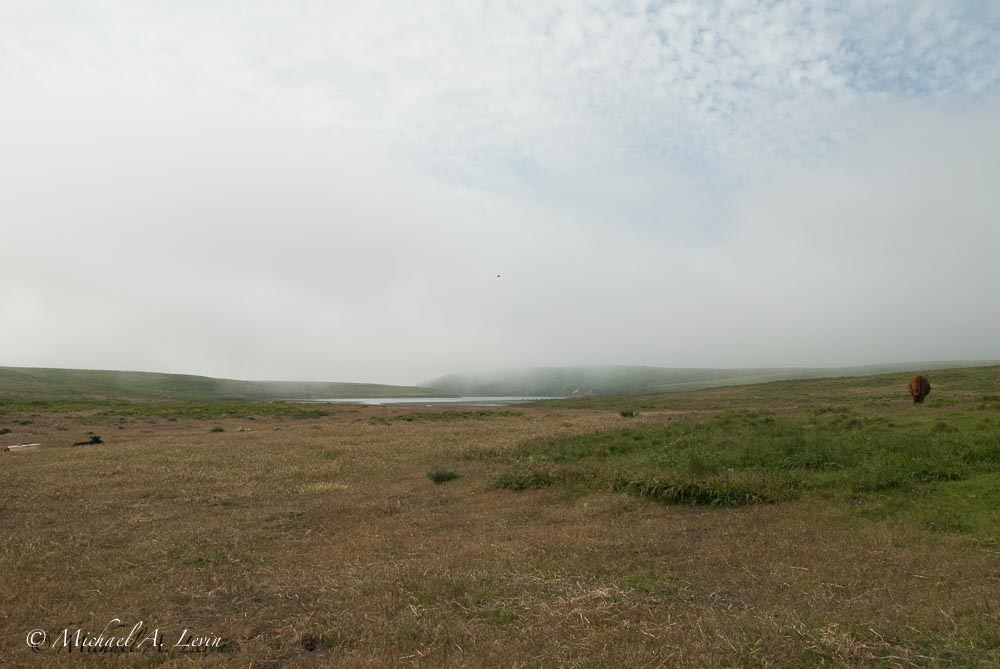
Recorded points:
(970, 506)
(214, 410)
(497, 615)
(442, 475)
(745, 457)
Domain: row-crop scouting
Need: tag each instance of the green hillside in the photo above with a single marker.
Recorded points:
(27, 383)
(949, 387)
(620, 380)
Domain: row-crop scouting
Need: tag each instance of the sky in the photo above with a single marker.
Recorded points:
(387, 192)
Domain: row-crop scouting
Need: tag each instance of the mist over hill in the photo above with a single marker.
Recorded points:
(620, 379)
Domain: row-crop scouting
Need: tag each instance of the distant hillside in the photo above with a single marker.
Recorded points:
(619, 380)
(70, 384)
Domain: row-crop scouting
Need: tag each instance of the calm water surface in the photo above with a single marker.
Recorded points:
(432, 401)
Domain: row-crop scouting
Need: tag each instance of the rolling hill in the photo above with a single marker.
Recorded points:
(21, 384)
(78, 384)
(619, 380)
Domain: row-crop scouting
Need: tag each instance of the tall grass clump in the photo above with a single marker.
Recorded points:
(442, 475)
(523, 481)
(686, 492)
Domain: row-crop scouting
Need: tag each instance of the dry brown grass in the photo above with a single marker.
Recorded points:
(322, 543)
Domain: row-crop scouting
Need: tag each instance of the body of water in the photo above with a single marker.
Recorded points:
(431, 401)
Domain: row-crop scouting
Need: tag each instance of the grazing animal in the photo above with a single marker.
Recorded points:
(93, 440)
(920, 387)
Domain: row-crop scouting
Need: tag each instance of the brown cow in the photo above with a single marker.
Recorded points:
(920, 387)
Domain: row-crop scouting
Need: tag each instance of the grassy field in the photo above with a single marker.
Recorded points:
(791, 524)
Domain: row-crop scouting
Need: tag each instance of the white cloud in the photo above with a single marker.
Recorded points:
(674, 81)
(329, 192)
